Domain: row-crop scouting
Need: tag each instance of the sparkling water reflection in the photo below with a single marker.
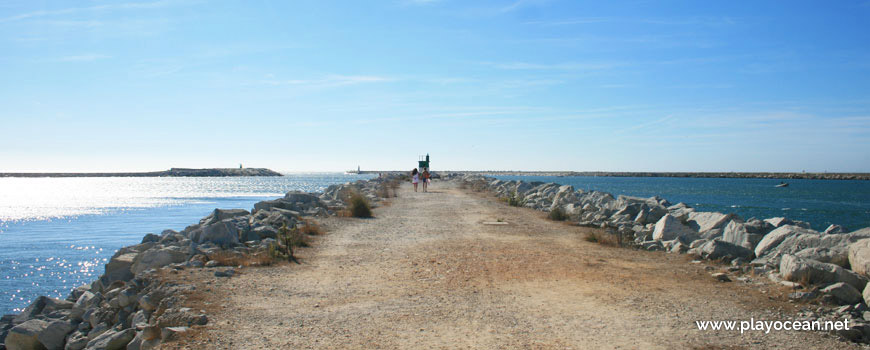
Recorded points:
(58, 233)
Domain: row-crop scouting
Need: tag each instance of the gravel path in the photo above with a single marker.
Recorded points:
(430, 272)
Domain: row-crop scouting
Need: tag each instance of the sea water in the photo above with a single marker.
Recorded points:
(58, 233)
(819, 202)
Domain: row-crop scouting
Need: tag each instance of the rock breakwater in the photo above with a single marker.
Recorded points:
(829, 267)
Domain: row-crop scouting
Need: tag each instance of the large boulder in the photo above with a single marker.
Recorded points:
(831, 248)
(222, 214)
(670, 228)
(706, 221)
(681, 211)
(25, 336)
(40, 306)
(795, 269)
(717, 249)
(222, 233)
(844, 293)
(775, 237)
(119, 268)
(158, 257)
(740, 234)
(859, 257)
(112, 340)
(53, 336)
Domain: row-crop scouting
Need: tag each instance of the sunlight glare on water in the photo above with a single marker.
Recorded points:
(58, 233)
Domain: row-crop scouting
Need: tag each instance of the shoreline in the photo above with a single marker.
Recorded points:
(173, 172)
(726, 175)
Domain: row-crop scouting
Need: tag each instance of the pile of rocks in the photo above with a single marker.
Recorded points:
(336, 196)
(128, 307)
(833, 265)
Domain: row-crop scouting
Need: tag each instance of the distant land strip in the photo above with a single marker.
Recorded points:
(734, 175)
(174, 172)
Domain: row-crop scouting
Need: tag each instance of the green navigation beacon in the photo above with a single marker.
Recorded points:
(424, 164)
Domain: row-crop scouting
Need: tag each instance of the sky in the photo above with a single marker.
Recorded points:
(480, 85)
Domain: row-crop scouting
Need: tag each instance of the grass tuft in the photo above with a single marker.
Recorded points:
(359, 206)
(558, 214)
(602, 238)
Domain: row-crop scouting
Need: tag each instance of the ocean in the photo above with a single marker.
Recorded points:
(58, 233)
(819, 202)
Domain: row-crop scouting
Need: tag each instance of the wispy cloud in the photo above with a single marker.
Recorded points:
(420, 2)
(694, 21)
(330, 81)
(83, 58)
(519, 4)
(104, 7)
(555, 66)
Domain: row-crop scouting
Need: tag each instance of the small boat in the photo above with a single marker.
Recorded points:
(782, 184)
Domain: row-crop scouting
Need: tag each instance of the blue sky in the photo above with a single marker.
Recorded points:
(524, 85)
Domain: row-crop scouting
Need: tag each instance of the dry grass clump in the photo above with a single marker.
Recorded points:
(359, 206)
(310, 227)
(231, 258)
(558, 214)
(602, 238)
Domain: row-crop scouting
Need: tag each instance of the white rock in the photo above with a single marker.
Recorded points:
(706, 221)
(669, 228)
(797, 269)
(859, 257)
(775, 237)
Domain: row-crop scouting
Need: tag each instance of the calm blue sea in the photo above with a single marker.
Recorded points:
(58, 233)
(819, 202)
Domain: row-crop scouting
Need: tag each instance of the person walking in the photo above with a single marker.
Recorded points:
(415, 178)
(425, 180)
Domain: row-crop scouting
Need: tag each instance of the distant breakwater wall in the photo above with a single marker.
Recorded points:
(729, 175)
(173, 172)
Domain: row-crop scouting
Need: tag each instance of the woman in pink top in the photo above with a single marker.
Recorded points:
(415, 178)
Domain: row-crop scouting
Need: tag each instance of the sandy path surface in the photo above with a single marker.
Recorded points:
(429, 273)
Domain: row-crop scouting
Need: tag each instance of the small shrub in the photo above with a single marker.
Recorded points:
(515, 200)
(359, 207)
(558, 214)
(287, 239)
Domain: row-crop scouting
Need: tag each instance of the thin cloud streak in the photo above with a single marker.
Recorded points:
(106, 7)
(331, 81)
(83, 58)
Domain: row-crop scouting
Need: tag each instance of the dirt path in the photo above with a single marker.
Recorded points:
(427, 273)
